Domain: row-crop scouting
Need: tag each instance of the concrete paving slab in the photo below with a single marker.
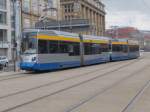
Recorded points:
(64, 101)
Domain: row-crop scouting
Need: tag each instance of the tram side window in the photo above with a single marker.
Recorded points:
(116, 48)
(125, 48)
(96, 49)
(63, 47)
(87, 48)
(137, 48)
(134, 48)
(53, 47)
(42, 47)
(131, 48)
(104, 48)
(92, 48)
(74, 49)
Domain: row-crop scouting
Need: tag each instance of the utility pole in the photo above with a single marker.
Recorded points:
(17, 28)
(81, 50)
(71, 24)
(58, 19)
(14, 39)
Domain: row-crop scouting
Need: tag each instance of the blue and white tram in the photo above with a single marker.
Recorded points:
(49, 50)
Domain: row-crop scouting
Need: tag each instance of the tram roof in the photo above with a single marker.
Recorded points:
(96, 37)
(87, 38)
(119, 40)
(53, 32)
(133, 42)
(62, 33)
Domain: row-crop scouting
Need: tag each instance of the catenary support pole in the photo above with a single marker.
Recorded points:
(17, 35)
(81, 50)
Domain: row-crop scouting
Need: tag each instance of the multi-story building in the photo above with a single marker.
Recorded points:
(92, 10)
(122, 32)
(5, 28)
(32, 10)
(127, 33)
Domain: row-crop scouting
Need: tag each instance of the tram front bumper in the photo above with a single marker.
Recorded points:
(27, 66)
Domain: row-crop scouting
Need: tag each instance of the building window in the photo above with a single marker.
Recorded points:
(69, 18)
(2, 4)
(12, 34)
(26, 5)
(2, 17)
(65, 8)
(3, 35)
(27, 23)
(72, 8)
(72, 17)
(69, 8)
(43, 47)
(35, 6)
(66, 17)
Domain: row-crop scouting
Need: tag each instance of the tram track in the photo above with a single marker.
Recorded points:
(13, 76)
(136, 98)
(24, 75)
(70, 87)
(59, 81)
(88, 99)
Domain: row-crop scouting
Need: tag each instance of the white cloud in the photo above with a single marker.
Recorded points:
(128, 18)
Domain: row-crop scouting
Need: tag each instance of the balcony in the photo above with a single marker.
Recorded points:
(4, 44)
(73, 25)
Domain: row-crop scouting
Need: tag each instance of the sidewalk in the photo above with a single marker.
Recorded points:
(7, 69)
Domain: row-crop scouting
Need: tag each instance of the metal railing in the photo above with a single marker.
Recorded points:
(64, 23)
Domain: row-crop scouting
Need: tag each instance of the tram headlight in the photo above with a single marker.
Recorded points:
(34, 59)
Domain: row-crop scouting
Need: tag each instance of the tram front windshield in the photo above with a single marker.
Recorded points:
(29, 43)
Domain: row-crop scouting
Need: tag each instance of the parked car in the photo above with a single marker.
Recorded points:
(4, 61)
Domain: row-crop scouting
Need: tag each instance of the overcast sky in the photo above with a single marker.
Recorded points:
(128, 13)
